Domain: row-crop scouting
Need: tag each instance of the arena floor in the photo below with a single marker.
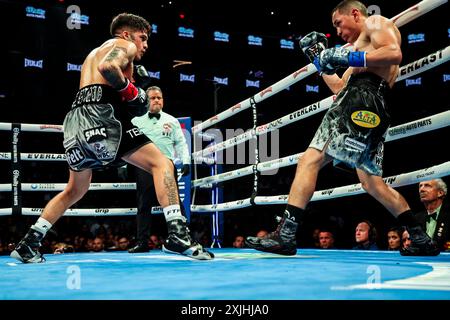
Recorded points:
(235, 274)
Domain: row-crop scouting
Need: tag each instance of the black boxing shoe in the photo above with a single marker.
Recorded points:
(179, 241)
(27, 250)
(281, 241)
(139, 248)
(421, 244)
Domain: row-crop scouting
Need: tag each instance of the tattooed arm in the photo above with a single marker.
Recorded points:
(118, 59)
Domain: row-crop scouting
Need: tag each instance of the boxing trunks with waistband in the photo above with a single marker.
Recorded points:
(354, 128)
(98, 129)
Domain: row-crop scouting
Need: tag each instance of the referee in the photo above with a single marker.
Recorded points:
(166, 133)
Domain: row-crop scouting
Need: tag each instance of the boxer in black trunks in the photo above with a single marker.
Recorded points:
(98, 133)
(352, 131)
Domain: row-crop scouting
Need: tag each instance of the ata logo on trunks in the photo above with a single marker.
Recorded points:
(74, 156)
(95, 134)
(366, 119)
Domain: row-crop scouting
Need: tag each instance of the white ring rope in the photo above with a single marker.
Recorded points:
(404, 179)
(405, 130)
(400, 20)
(421, 65)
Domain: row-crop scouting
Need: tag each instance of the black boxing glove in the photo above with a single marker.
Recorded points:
(313, 44)
(141, 77)
(134, 97)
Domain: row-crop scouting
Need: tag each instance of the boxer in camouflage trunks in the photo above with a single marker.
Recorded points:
(353, 130)
(98, 133)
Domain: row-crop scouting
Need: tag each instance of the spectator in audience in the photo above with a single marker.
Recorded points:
(62, 247)
(394, 238)
(365, 236)
(238, 242)
(155, 242)
(435, 219)
(123, 244)
(406, 241)
(326, 239)
(98, 245)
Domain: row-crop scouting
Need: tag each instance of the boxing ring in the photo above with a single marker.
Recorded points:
(235, 273)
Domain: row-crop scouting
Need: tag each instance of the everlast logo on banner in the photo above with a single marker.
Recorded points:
(421, 63)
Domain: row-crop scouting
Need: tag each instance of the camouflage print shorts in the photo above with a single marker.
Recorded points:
(354, 128)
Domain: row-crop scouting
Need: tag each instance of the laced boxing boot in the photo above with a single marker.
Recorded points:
(27, 250)
(421, 244)
(281, 241)
(179, 241)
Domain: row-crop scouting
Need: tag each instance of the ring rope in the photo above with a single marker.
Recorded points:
(404, 179)
(405, 130)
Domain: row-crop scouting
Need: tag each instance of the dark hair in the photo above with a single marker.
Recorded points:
(131, 21)
(346, 5)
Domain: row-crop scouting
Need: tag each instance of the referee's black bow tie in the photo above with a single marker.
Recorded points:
(154, 115)
(430, 216)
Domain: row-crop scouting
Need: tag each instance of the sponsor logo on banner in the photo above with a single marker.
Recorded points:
(426, 174)
(250, 83)
(327, 192)
(32, 12)
(4, 155)
(37, 209)
(414, 82)
(154, 74)
(221, 36)
(312, 88)
(223, 81)
(269, 89)
(411, 126)
(235, 107)
(46, 156)
(77, 18)
(34, 63)
(73, 67)
(103, 210)
(286, 44)
(49, 126)
(187, 77)
(296, 73)
(366, 119)
(34, 186)
(390, 180)
(254, 41)
(304, 111)
(185, 32)
(282, 198)
(421, 63)
(414, 38)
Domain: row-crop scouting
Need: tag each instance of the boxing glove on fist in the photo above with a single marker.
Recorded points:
(313, 44)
